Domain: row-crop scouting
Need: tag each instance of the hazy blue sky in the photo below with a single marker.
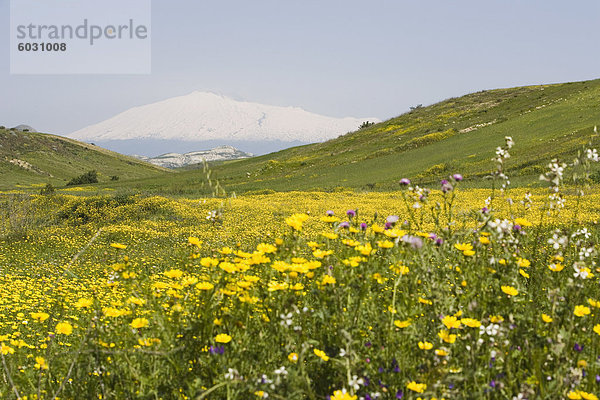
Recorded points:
(338, 58)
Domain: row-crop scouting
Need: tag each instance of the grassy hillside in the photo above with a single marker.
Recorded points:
(456, 135)
(31, 158)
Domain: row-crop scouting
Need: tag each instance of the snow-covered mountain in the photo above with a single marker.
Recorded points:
(202, 116)
(176, 160)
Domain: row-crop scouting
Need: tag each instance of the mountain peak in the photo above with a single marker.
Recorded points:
(202, 116)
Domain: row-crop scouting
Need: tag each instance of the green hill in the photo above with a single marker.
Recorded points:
(455, 135)
(31, 158)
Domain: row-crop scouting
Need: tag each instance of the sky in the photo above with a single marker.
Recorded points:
(336, 58)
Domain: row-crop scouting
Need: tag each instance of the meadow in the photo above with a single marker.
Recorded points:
(446, 293)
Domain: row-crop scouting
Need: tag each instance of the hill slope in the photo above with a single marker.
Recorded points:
(455, 135)
(28, 158)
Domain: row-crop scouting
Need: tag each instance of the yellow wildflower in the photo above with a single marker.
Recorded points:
(138, 323)
(222, 338)
(39, 316)
(321, 354)
(581, 311)
(509, 290)
(416, 387)
(425, 345)
(64, 328)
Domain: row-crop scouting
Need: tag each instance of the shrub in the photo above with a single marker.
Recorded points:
(47, 190)
(88, 177)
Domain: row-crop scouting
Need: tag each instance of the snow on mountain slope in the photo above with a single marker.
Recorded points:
(176, 160)
(208, 116)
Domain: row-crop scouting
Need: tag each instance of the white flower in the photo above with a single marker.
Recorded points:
(509, 141)
(342, 352)
(281, 371)
(356, 382)
(582, 232)
(580, 270)
(490, 330)
(231, 373)
(585, 252)
(557, 241)
(286, 319)
(592, 154)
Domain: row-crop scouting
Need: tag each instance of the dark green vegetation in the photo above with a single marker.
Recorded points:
(88, 177)
(455, 135)
(28, 158)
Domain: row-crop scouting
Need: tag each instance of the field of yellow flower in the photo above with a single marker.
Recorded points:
(447, 294)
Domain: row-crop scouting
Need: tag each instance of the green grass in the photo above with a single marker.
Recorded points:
(55, 160)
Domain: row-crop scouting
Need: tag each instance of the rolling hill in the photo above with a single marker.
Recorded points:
(31, 158)
(428, 143)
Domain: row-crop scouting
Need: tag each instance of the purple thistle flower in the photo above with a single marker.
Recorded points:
(329, 213)
(351, 213)
(484, 210)
(363, 226)
(457, 177)
(517, 227)
(439, 241)
(344, 224)
(388, 225)
(446, 186)
(405, 181)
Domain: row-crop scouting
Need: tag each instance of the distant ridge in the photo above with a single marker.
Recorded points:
(177, 160)
(24, 128)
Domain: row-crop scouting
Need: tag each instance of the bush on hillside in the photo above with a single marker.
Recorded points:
(88, 177)
(47, 190)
